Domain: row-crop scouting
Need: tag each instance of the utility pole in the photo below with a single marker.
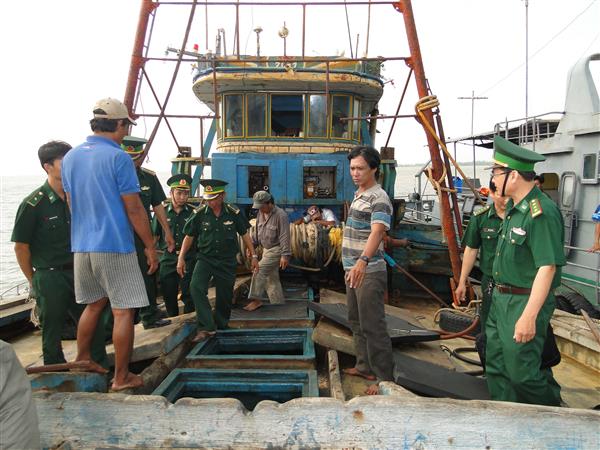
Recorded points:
(473, 98)
(526, 62)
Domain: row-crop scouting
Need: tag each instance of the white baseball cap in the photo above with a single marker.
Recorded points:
(111, 108)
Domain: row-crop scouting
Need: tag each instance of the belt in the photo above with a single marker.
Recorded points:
(506, 289)
(68, 266)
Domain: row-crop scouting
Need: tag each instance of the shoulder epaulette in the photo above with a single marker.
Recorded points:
(535, 207)
(481, 210)
(148, 171)
(234, 209)
(34, 198)
(201, 208)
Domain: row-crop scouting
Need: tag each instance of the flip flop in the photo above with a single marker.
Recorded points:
(356, 373)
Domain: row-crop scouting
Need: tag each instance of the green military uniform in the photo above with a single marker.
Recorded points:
(151, 194)
(531, 236)
(482, 233)
(44, 222)
(216, 241)
(170, 281)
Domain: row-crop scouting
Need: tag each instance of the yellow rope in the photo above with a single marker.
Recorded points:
(430, 102)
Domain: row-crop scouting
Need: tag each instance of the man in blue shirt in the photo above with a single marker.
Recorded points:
(103, 193)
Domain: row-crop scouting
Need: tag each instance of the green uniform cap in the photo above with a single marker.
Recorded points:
(511, 156)
(212, 188)
(133, 146)
(180, 181)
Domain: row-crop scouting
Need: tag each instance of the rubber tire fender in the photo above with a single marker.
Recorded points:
(453, 322)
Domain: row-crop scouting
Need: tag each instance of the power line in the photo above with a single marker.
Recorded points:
(541, 48)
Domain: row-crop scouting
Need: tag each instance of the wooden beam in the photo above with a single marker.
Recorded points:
(366, 422)
(335, 379)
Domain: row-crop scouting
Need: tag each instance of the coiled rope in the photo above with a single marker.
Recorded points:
(313, 245)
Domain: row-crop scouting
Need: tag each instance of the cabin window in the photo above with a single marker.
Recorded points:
(590, 169)
(356, 123)
(568, 190)
(256, 113)
(318, 116)
(287, 113)
(340, 108)
(234, 118)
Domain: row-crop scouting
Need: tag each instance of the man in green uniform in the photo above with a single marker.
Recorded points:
(482, 233)
(152, 196)
(216, 227)
(526, 269)
(42, 237)
(178, 211)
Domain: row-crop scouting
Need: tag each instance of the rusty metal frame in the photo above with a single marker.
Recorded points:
(414, 62)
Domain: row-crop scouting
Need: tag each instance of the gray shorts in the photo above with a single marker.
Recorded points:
(113, 275)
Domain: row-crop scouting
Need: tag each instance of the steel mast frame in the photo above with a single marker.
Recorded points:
(414, 62)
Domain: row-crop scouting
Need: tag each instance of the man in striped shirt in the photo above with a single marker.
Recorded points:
(369, 218)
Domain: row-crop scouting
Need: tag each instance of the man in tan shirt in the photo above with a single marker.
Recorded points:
(272, 232)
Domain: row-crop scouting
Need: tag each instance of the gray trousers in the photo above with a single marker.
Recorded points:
(267, 277)
(366, 315)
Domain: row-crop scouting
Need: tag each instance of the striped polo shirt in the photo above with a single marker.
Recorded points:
(368, 207)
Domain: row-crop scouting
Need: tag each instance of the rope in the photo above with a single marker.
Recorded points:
(313, 245)
(424, 104)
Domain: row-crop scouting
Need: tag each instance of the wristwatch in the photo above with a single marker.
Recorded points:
(255, 256)
(364, 258)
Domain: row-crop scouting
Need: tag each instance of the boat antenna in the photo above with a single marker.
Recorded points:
(283, 34)
(473, 98)
(348, 26)
(257, 30)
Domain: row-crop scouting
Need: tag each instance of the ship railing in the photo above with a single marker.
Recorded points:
(13, 291)
(529, 130)
(594, 270)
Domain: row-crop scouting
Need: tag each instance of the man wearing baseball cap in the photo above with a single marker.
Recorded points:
(272, 232)
(103, 192)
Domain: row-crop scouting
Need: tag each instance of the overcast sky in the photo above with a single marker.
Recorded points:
(61, 56)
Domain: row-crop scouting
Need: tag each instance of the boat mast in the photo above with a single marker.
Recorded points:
(416, 63)
(137, 58)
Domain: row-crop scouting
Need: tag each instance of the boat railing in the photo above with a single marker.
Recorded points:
(594, 270)
(529, 130)
(17, 289)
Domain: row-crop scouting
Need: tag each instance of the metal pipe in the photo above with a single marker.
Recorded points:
(177, 116)
(173, 78)
(326, 96)
(159, 105)
(282, 59)
(137, 60)
(405, 7)
(275, 3)
(237, 28)
(399, 104)
(399, 116)
(303, 28)
(455, 207)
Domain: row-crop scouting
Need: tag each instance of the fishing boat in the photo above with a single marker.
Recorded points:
(285, 124)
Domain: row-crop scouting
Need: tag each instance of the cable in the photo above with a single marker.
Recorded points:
(540, 49)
